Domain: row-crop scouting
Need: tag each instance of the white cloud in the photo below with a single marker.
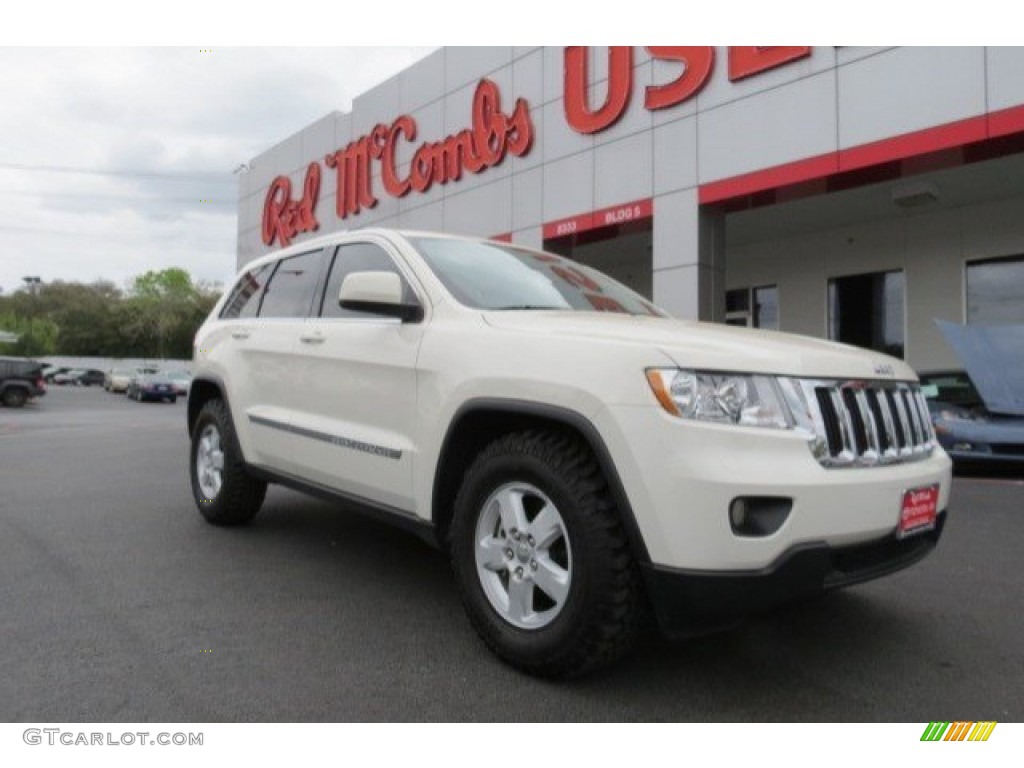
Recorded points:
(174, 111)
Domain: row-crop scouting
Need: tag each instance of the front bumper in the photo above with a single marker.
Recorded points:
(692, 602)
(681, 477)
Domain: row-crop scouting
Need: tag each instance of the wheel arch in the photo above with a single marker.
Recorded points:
(203, 389)
(480, 421)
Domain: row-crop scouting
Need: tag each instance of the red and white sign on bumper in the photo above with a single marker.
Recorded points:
(919, 510)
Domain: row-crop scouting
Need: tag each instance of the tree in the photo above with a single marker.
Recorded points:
(85, 315)
(36, 336)
(158, 316)
(166, 309)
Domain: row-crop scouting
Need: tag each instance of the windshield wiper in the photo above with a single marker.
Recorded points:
(525, 306)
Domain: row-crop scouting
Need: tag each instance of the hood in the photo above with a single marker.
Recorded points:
(993, 356)
(712, 346)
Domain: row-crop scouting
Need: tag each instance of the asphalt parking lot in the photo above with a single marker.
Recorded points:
(118, 603)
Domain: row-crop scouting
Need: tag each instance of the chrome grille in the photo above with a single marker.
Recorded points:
(866, 423)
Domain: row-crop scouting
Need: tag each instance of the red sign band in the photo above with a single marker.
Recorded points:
(606, 217)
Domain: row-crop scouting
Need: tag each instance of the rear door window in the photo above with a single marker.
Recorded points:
(290, 290)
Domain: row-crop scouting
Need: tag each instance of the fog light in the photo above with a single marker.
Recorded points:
(738, 514)
(758, 515)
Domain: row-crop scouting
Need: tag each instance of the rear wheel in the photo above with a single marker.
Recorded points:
(541, 557)
(224, 492)
(15, 397)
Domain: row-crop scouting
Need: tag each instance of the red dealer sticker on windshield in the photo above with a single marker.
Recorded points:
(919, 510)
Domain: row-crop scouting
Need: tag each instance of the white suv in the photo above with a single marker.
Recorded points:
(580, 454)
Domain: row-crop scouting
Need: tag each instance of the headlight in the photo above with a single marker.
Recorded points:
(723, 398)
(958, 415)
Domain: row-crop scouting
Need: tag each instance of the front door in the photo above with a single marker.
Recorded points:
(357, 389)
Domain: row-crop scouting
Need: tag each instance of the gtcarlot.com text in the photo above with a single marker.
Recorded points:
(56, 736)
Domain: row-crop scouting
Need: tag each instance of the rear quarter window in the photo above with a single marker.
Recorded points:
(243, 300)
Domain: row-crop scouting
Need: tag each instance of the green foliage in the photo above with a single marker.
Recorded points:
(157, 317)
(36, 336)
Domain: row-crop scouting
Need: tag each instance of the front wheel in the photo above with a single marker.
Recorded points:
(224, 492)
(541, 557)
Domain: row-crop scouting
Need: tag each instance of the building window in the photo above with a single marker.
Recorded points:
(753, 307)
(868, 311)
(995, 291)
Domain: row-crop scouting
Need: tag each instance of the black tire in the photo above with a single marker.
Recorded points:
(15, 397)
(602, 613)
(240, 496)
(172, 400)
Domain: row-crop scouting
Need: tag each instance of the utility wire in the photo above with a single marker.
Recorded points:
(222, 178)
(139, 199)
(102, 236)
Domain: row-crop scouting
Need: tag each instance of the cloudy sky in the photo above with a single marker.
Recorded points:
(115, 161)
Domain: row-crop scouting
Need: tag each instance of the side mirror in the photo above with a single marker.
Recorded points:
(379, 292)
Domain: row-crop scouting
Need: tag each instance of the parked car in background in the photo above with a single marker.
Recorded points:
(52, 371)
(152, 386)
(978, 413)
(20, 381)
(130, 374)
(88, 377)
(182, 380)
(67, 376)
(118, 379)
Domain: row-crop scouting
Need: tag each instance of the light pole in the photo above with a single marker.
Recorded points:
(33, 282)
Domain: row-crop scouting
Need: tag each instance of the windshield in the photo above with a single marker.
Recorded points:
(954, 388)
(494, 276)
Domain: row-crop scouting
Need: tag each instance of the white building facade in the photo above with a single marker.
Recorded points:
(849, 193)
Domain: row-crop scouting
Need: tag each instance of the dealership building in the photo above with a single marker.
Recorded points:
(850, 193)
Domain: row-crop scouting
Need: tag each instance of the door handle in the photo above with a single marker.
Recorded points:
(312, 338)
(241, 334)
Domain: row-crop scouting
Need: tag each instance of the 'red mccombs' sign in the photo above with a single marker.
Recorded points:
(493, 134)
(491, 137)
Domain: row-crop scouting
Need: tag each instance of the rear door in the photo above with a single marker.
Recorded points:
(227, 345)
(358, 387)
(264, 357)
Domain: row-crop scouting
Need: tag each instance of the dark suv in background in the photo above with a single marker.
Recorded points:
(20, 380)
